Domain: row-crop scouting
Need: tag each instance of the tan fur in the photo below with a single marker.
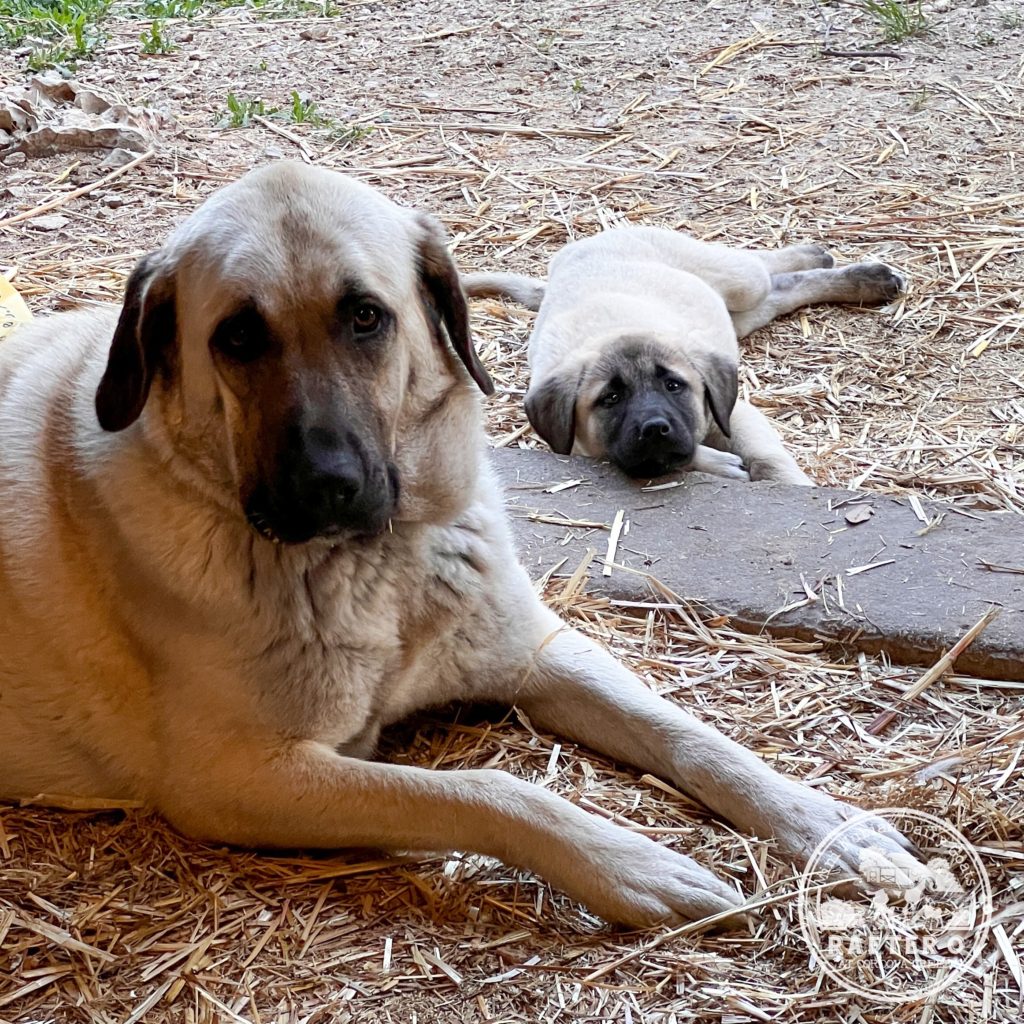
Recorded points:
(157, 648)
(695, 298)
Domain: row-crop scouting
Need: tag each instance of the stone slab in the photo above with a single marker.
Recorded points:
(746, 550)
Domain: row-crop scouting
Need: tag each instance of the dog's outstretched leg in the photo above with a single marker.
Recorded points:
(578, 690)
(272, 791)
(864, 284)
(755, 440)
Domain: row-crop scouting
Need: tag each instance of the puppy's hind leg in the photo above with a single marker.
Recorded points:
(864, 284)
(757, 443)
(795, 257)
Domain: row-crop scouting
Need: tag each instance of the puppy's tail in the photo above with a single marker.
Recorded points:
(527, 291)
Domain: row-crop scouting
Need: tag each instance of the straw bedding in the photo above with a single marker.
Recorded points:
(523, 126)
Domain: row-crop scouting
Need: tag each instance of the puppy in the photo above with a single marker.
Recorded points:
(634, 353)
(246, 521)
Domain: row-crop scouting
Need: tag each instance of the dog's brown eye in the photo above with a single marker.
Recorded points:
(673, 385)
(610, 399)
(242, 337)
(366, 318)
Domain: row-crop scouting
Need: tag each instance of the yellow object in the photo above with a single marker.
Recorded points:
(13, 310)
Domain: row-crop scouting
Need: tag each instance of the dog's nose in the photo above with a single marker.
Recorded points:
(339, 480)
(654, 428)
(334, 476)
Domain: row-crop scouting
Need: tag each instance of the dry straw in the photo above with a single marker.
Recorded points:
(524, 126)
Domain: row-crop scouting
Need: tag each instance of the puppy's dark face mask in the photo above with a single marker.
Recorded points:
(641, 404)
(646, 413)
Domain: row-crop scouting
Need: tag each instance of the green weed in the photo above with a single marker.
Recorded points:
(349, 134)
(176, 8)
(68, 29)
(303, 111)
(920, 100)
(898, 19)
(156, 40)
(241, 112)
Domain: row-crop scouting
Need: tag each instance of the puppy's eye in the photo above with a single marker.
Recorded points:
(366, 318)
(674, 385)
(610, 399)
(242, 337)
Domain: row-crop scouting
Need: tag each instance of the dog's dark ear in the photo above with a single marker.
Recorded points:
(551, 409)
(441, 283)
(721, 386)
(144, 332)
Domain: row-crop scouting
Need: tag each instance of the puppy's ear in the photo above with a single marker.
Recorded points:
(551, 409)
(721, 386)
(144, 332)
(441, 283)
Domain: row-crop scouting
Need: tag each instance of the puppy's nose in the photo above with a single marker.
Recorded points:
(654, 428)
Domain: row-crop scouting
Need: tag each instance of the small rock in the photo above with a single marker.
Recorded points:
(859, 66)
(198, 55)
(178, 92)
(150, 76)
(51, 222)
(113, 201)
(273, 153)
(117, 158)
(859, 514)
(15, 159)
(318, 34)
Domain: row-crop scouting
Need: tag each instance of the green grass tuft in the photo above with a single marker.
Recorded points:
(898, 19)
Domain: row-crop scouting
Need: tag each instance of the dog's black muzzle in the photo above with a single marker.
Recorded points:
(655, 440)
(326, 485)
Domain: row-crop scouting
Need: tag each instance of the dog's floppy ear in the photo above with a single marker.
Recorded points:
(721, 386)
(551, 409)
(441, 282)
(145, 329)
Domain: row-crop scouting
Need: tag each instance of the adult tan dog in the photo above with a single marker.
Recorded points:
(634, 353)
(248, 521)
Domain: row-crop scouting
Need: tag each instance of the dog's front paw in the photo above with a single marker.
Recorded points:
(779, 471)
(631, 880)
(724, 464)
(874, 284)
(867, 849)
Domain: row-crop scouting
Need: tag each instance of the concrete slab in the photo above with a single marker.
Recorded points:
(884, 582)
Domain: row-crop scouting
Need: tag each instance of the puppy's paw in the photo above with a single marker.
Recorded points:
(780, 470)
(874, 284)
(811, 257)
(724, 464)
(634, 881)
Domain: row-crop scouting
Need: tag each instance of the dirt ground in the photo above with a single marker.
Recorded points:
(523, 125)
